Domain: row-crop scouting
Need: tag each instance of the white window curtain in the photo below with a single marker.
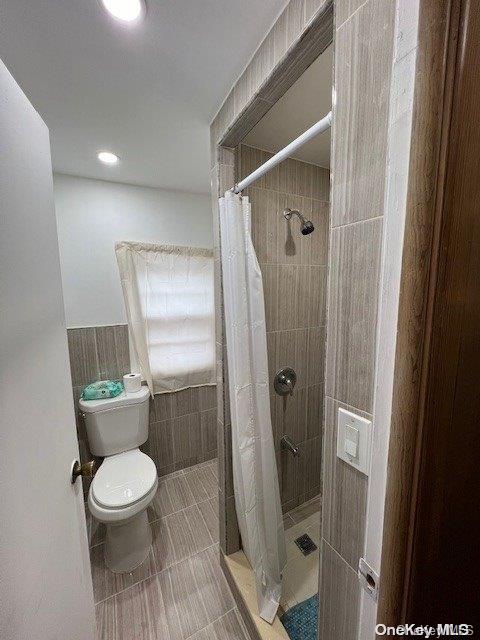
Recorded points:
(256, 487)
(168, 294)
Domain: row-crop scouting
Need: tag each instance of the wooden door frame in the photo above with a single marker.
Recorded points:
(439, 24)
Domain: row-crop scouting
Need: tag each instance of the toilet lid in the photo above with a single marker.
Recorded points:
(123, 479)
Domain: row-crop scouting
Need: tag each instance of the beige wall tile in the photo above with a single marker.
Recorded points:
(160, 443)
(314, 411)
(187, 440)
(344, 9)
(295, 20)
(340, 602)
(353, 293)
(344, 495)
(311, 9)
(144, 606)
(280, 37)
(82, 348)
(363, 59)
(315, 351)
(208, 426)
(105, 620)
(270, 289)
(209, 511)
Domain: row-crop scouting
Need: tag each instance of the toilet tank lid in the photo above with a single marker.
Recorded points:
(122, 400)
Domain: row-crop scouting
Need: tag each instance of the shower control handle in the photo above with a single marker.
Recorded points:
(284, 381)
(287, 444)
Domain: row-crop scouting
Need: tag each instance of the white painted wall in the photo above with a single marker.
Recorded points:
(93, 214)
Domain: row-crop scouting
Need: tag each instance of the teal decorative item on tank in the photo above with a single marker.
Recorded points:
(102, 389)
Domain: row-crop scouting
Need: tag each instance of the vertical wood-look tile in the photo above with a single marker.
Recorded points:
(340, 601)
(287, 296)
(107, 358)
(363, 60)
(214, 588)
(202, 484)
(344, 495)
(316, 244)
(208, 427)
(193, 614)
(280, 37)
(187, 440)
(82, 349)
(160, 443)
(122, 352)
(186, 401)
(105, 620)
(344, 9)
(352, 318)
(270, 289)
(162, 406)
(315, 296)
(147, 612)
(229, 627)
(314, 410)
(311, 9)
(188, 532)
(295, 20)
(106, 583)
(316, 355)
(209, 511)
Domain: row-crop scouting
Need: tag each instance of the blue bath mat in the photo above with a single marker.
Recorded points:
(300, 621)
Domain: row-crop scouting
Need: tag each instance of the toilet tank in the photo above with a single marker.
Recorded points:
(116, 424)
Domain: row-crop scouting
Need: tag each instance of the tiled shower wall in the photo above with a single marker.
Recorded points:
(294, 275)
(364, 53)
(302, 32)
(182, 429)
(364, 45)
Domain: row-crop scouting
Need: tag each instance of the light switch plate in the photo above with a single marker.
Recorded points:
(347, 424)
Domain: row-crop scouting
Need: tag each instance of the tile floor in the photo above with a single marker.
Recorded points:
(179, 592)
(300, 577)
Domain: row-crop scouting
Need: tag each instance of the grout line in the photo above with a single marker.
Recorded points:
(347, 565)
(351, 15)
(166, 515)
(210, 623)
(356, 222)
(156, 573)
(184, 415)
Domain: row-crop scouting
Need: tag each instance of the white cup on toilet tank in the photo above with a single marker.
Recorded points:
(132, 382)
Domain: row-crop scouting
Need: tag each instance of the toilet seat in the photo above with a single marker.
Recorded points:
(123, 479)
(124, 485)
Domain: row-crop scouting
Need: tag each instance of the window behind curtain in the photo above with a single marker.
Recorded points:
(168, 292)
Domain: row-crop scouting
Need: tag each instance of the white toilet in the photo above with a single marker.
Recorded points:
(126, 481)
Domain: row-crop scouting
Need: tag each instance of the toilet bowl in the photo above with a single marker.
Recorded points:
(119, 496)
(126, 482)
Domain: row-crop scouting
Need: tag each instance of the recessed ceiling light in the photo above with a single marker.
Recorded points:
(125, 10)
(107, 157)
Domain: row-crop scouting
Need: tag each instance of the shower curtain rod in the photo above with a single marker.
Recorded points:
(318, 127)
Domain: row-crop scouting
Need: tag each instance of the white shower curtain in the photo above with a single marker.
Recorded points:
(257, 494)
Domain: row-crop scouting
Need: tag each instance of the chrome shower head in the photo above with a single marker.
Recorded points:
(306, 225)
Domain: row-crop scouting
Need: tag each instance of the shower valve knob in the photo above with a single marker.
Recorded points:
(284, 381)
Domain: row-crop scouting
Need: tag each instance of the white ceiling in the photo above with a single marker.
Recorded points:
(308, 100)
(146, 93)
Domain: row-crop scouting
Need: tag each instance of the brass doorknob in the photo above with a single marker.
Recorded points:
(86, 470)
